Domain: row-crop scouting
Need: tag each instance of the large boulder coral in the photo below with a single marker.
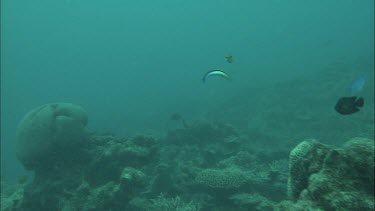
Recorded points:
(305, 159)
(325, 178)
(48, 130)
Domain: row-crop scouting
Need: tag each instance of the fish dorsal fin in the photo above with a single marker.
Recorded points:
(360, 102)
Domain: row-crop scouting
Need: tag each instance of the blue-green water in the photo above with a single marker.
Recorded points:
(131, 64)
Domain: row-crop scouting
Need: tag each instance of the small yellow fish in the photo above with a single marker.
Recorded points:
(229, 58)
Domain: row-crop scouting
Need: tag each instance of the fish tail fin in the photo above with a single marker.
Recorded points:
(204, 78)
(360, 102)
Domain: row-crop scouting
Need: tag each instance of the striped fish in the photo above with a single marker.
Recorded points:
(215, 73)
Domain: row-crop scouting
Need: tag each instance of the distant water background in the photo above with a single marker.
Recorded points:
(131, 64)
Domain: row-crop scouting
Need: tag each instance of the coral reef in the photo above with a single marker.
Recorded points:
(162, 203)
(331, 179)
(11, 196)
(202, 166)
(305, 159)
(255, 201)
(111, 173)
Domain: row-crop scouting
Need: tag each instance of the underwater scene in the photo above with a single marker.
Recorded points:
(185, 105)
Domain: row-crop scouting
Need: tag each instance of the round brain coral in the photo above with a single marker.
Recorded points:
(305, 159)
(47, 129)
(300, 151)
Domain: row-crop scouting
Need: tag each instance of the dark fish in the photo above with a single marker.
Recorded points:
(349, 105)
(229, 58)
(177, 117)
